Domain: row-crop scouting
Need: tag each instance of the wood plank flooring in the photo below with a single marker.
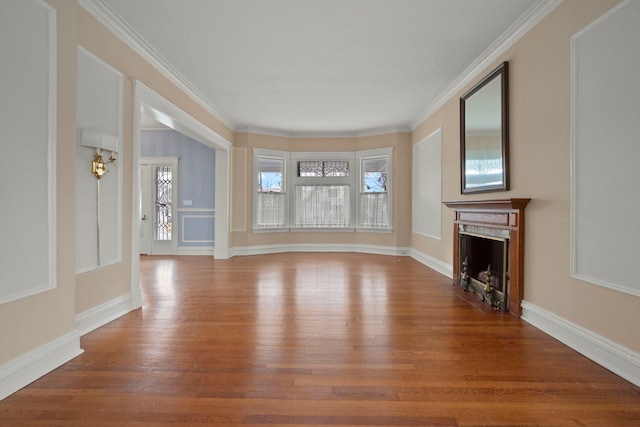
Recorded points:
(318, 339)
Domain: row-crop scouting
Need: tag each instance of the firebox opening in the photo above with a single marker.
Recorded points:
(482, 254)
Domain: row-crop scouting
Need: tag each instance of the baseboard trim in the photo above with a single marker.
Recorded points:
(433, 263)
(368, 249)
(616, 358)
(429, 261)
(27, 368)
(196, 250)
(102, 314)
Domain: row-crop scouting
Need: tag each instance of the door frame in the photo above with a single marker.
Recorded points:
(156, 247)
(170, 115)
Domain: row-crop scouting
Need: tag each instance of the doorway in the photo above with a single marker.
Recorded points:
(158, 196)
(149, 102)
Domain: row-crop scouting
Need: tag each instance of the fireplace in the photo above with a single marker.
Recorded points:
(484, 267)
(488, 245)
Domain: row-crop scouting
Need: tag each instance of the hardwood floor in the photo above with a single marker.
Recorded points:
(318, 339)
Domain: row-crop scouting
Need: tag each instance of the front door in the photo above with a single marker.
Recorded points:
(158, 194)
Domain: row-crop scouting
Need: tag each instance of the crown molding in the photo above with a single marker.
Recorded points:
(526, 22)
(124, 32)
(322, 134)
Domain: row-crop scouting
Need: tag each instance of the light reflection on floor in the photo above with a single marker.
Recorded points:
(288, 309)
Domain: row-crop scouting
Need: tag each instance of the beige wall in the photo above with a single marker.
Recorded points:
(35, 321)
(242, 196)
(100, 286)
(539, 68)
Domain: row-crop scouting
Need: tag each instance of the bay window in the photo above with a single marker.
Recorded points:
(329, 190)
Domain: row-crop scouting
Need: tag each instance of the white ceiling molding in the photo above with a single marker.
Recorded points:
(534, 15)
(354, 134)
(125, 33)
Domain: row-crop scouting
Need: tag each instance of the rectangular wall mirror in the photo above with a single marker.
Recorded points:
(484, 134)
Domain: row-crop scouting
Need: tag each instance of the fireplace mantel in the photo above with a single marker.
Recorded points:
(502, 214)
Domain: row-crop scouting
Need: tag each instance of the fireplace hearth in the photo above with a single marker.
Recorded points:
(488, 258)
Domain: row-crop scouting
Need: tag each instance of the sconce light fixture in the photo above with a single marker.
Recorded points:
(100, 141)
(99, 166)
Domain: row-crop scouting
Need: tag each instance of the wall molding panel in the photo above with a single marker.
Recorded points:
(427, 186)
(239, 165)
(28, 48)
(605, 63)
(189, 226)
(99, 108)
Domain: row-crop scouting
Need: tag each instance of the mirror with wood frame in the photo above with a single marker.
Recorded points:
(484, 134)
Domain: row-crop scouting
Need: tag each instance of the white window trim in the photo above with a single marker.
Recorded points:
(273, 154)
(354, 180)
(373, 154)
(346, 180)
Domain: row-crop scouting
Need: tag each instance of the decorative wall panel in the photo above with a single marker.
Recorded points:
(28, 90)
(606, 149)
(239, 159)
(427, 186)
(197, 227)
(98, 202)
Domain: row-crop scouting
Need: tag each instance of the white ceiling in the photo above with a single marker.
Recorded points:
(316, 67)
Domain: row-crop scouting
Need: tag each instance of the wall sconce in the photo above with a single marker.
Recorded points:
(100, 141)
(99, 166)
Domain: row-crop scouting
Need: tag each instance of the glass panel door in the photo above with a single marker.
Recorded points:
(159, 232)
(164, 203)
